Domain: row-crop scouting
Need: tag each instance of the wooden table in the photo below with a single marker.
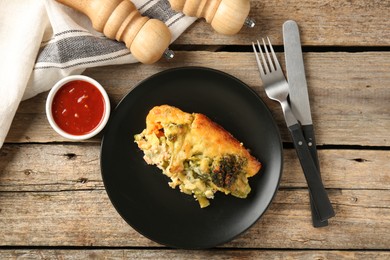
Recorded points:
(53, 203)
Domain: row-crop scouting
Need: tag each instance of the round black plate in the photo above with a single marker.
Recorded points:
(140, 192)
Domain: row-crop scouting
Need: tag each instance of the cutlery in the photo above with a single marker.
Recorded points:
(299, 97)
(276, 88)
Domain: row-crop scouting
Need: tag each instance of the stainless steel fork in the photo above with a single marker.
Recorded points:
(276, 88)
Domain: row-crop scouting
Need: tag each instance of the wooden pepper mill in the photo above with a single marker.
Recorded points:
(147, 39)
(225, 16)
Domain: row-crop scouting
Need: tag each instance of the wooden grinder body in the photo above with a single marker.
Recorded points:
(225, 16)
(146, 38)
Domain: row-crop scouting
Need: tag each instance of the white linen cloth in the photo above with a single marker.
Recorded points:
(42, 41)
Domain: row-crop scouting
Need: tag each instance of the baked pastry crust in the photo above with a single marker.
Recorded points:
(197, 154)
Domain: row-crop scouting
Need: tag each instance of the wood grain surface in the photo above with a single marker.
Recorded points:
(53, 204)
(324, 23)
(349, 94)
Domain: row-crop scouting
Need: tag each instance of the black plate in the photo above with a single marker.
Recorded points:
(140, 192)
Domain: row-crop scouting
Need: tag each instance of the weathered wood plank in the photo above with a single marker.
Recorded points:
(349, 94)
(185, 254)
(73, 203)
(325, 23)
(76, 167)
(87, 218)
(50, 167)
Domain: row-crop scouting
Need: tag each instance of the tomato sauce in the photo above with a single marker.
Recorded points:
(78, 107)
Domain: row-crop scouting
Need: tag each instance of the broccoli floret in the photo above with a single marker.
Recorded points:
(225, 170)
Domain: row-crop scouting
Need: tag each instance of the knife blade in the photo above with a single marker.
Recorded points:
(299, 96)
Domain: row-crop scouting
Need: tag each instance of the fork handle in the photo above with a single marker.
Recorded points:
(317, 190)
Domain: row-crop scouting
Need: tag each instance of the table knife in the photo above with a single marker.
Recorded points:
(299, 97)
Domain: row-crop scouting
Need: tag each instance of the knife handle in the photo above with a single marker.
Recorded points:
(308, 132)
(318, 193)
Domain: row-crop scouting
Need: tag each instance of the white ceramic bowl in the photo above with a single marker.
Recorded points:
(53, 92)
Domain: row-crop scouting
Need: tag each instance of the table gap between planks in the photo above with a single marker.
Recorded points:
(52, 199)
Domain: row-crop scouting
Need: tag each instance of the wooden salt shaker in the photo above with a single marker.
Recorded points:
(225, 16)
(147, 39)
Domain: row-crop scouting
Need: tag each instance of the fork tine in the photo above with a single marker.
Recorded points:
(271, 64)
(275, 59)
(261, 69)
(267, 70)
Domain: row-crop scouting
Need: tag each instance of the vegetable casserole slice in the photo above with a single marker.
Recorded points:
(197, 154)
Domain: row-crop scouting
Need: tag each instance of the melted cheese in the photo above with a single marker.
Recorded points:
(198, 155)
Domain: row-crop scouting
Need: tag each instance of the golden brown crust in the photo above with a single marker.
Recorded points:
(219, 141)
(204, 136)
(163, 115)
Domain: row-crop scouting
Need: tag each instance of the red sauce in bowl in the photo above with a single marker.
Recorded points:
(78, 107)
